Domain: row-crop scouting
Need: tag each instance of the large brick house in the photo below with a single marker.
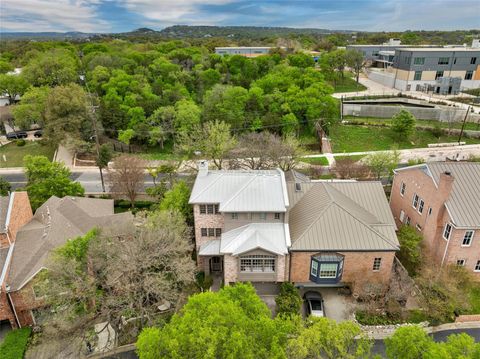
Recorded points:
(442, 201)
(271, 226)
(54, 223)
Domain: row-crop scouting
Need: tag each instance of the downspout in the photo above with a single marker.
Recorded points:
(12, 307)
(289, 265)
(445, 252)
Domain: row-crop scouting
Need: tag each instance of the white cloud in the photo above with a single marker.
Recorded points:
(50, 15)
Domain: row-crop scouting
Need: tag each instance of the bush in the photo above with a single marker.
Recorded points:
(288, 301)
(20, 142)
(437, 131)
(15, 344)
(204, 282)
(410, 248)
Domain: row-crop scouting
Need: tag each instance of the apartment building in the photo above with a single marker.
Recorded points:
(271, 226)
(442, 201)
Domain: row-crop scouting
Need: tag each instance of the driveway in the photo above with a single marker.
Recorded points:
(337, 306)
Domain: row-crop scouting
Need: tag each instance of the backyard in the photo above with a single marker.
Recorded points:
(345, 138)
(12, 155)
(347, 84)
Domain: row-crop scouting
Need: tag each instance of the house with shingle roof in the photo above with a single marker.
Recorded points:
(442, 201)
(271, 226)
(54, 223)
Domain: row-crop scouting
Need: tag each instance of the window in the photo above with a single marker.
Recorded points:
(328, 270)
(277, 215)
(467, 238)
(421, 204)
(377, 262)
(468, 75)
(407, 221)
(211, 232)
(418, 227)
(407, 60)
(216, 209)
(218, 232)
(203, 209)
(262, 216)
(430, 211)
(477, 267)
(443, 61)
(298, 187)
(403, 187)
(314, 269)
(234, 215)
(473, 61)
(402, 215)
(419, 60)
(454, 60)
(204, 232)
(447, 231)
(210, 208)
(257, 263)
(460, 262)
(415, 200)
(418, 75)
(438, 75)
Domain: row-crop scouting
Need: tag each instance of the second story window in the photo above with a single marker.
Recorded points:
(210, 208)
(204, 232)
(443, 61)
(421, 204)
(419, 61)
(473, 61)
(407, 221)
(203, 209)
(439, 75)
(377, 262)
(460, 262)
(234, 215)
(467, 238)
(415, 201)
(477, 267)
(277, 215)
(403, 187)
(447, 231)
(211, 232)
(263, 216)
(218, 232)
(468, 75)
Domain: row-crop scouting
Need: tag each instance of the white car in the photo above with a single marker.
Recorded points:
(314, 304)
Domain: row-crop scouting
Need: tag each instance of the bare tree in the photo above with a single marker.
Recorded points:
(127, 177)
(120, 279)
(346, 168)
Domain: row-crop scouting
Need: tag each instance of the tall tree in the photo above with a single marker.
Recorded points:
(13, 86)
(5, 186)
(403, 125)
(383, 163)
(126, 177)
(355, 61)
(176, 199)
(46, 179)
(31, 110)
(52, 68)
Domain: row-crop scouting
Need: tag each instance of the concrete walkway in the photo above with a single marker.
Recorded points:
(64, 156)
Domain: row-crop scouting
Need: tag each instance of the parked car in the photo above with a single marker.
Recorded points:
(16, 135)
(38, 133)
(314, 304)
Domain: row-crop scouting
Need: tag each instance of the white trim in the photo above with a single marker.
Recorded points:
(6, 265)
(449, 232)
(284, 187)
(287, 235)
(420, 201)
(403, 187)
(476, 263)
(471, 238)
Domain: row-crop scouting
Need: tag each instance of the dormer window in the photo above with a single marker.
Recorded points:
(298, 187)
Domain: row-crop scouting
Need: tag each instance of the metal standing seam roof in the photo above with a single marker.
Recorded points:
(55, 222)
(271, 237)
(4, 202)
(464, 201)
(326, 217)
(242, 191)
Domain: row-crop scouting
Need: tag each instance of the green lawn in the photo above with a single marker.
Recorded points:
(15, 344)
(14, 154)
(475, 300)
(156, 153)
(347, 84)
(319, 161)
(363, 138)
(427, 123)
(355, 158)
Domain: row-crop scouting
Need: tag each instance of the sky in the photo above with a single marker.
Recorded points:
(127, 15)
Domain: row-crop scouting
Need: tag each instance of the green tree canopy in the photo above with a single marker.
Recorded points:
(31, 110)
(410, 248)
(13, 86)
(403, 124)
(176, 199)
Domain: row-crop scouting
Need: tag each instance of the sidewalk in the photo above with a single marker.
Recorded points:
(64, 156)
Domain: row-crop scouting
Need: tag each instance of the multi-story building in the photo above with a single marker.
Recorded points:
(268, 226)
(442, 201)
(250, 51)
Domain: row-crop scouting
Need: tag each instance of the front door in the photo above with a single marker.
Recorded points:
(216, 264)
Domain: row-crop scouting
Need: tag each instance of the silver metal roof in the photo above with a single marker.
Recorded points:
(4, 201)
(211, 248)
(242, 191)
(271, 237)
(341, 216)
(464, 201)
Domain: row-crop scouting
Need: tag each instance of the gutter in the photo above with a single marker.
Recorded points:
(12, 307)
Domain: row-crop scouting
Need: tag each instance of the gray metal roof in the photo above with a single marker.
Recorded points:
(4, 201)
(242, 191)
(211, 248)
(464, 201)
(341, 216)
(271, 237)
(55, 222)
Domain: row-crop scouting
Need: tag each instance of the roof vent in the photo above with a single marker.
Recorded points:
(448, 173)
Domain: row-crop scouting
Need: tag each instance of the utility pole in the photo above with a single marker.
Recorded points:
(463, 125)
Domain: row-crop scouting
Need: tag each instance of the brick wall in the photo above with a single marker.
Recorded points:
(205, 221)
(24, 301)
(21, 213)
(281, 269)
(357, 267)
(230, 269)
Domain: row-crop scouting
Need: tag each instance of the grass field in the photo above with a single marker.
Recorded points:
(15, 344)
(363, 138)
(319, 161)
(355, 158)
(347, 84)
(14, 154)
(427, 123)
(156, 153)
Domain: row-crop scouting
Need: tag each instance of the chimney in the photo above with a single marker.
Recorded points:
(445, 185)
(203, 168)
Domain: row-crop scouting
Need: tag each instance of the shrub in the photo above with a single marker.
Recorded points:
(437, 130)
(20, 142)
(204, 282)
(410, 248)
(15, 344)
(288, 301)
(403, 124)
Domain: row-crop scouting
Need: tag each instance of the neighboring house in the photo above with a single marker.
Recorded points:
(442, 201)
(267, 226)
(15, 211)
(54, 223)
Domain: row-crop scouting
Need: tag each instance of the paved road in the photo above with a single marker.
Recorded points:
(379, 346)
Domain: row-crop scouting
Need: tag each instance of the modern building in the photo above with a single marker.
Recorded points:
(270, 226)
(54, 223)
(442, 201)
(251, 51)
